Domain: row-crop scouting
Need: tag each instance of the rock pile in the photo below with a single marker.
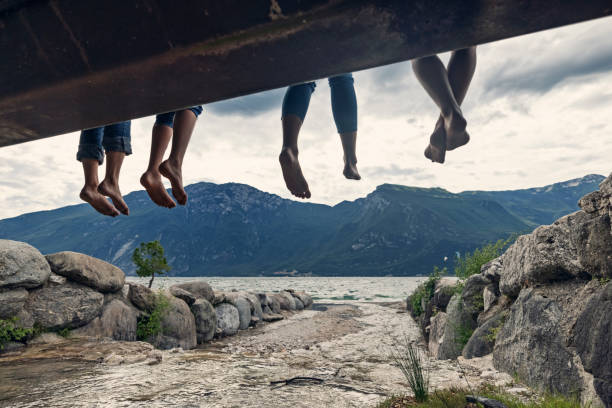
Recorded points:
(89, 297)
(543, 308)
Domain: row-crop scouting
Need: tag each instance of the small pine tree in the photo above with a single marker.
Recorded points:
(150, 260)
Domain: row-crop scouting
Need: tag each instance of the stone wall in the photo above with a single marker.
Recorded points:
(89, 297)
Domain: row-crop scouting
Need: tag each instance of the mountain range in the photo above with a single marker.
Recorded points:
(236, 230)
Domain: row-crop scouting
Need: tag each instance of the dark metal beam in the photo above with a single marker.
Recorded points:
(75, 64)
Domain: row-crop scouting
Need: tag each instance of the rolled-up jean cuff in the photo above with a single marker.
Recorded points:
(118, 144)
(197, 110)
(90, 151)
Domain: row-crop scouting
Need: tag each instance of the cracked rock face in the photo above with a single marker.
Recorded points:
(87, 270)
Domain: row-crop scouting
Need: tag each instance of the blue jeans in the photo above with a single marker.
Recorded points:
(343, 101)
(168, 117)
(111, 138)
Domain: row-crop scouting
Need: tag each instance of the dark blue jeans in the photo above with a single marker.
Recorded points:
(343, 101)
(111, 138)
(168, 117)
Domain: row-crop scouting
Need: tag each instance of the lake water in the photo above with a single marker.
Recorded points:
(322, 289)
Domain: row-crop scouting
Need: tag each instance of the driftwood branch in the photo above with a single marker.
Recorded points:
(298, 380)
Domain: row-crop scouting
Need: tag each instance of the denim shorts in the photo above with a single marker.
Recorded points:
(168, 117)
(111, 138)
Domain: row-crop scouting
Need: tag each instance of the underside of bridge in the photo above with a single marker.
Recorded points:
(75, 64)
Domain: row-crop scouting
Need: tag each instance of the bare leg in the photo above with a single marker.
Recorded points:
(349, 145)
(292, 172)
(151, 179)
(433, 76)
(461, 68)
(90, 193)
(184, 122)
(110, 185)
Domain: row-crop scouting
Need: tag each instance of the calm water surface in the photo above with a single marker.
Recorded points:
(364, 289)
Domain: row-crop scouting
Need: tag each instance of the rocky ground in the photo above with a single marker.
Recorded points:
(345, 346)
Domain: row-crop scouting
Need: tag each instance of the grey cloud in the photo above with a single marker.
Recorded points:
(391, 170)
(250, 105)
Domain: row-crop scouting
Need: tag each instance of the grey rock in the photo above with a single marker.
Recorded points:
(205, 320)
(442, 295)
(228, 319)
(281, 300)
(298, 304)
(219, 297)
(290, 300)
(483, 339)
(273, 317)
(273, 303)
(188, 297)
(141, 296)
(546, 255)
(55, 279)
(606, 186)
(12, 346)
(436, 333)
(244, 310)
(593, 341)
(472, 294)
(118, 322)
(593, 202)
(489, 296)
(64, 306)
(199, 289)
(11, 302)
(255, 303)
(266, 310)
(304, 297)
(531, 344)
(593, 242)
(21, 265)
(492, 270)
(178, 326)
(460, 322)
(87, 270)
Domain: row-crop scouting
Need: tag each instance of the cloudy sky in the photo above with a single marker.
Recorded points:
(539, 111)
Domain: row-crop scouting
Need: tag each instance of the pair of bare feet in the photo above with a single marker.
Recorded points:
(96, 195)
(151, 180)
(292, 172)
(448, 135)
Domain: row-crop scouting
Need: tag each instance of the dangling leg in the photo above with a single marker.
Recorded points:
(433, 77)
(151, 179)
(117, 145)
(91, 155)
(295, 106)
(172, 169)
(344, 108)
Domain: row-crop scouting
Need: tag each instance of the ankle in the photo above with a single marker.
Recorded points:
(291, 149)
(175, 162)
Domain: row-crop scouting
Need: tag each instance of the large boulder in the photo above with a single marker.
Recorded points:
(205, 320)
(436, 333)
(531, 344)
(304, 297)
(182, 294)
(593, 242)
(118, 321)
(460, 324)
(228, 319)
(64, 306)
(270, 300)
(482, 341)
(546, 255)
(256, 309)
(199, 289)
(239, 300)
(290, 299)
(298, 303)
(178, 328)
(141, 296)
(592, 338)
(21, 265)
(87, 270)
(11, 302)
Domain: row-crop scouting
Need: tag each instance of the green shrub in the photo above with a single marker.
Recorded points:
(65, 332)
(425, 291)
(149, 325)
(411, 362)
(471, 263)
(10, 331)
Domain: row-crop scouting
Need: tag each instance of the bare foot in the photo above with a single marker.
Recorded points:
(436, 151)
(292, 173)
(350, 169)
(172, 172)
(98, 201)
(152, 182)
(109, 189)
(456, 136)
